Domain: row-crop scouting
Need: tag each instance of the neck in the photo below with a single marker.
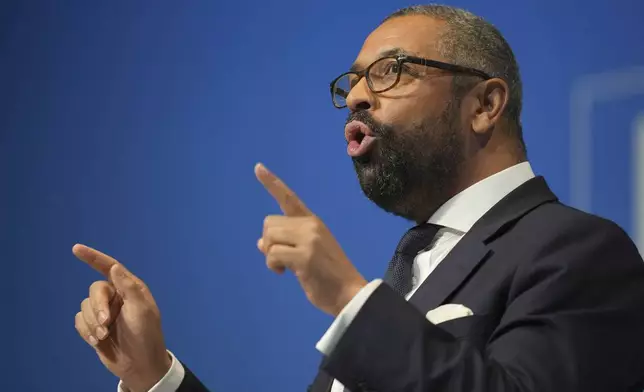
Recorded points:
(482, 166)
(472, 171)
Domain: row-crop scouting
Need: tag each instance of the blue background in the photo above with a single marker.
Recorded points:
(133, 127)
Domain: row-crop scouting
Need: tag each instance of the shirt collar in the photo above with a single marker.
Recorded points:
(463, 210)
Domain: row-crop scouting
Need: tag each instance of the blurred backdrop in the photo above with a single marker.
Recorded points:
(134, 126)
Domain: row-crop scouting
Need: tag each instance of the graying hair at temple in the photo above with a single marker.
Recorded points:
(472, 41)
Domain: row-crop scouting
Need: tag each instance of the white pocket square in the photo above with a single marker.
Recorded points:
(448, 312)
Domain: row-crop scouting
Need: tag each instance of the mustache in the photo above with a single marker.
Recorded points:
(379, 129)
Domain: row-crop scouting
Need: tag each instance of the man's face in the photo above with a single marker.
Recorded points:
(410, 163)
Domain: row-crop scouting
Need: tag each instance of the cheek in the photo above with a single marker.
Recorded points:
(401, 115)
(412, 109)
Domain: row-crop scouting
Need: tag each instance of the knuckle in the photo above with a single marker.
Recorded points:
(77, 320)
(97, 286)
(269, 231)
(270, 256)
(81, 325)
(272, 262)
(98, 292)
(292, 201)
(141, 285)
(314, 224)
(272, 248)
(87, 311)
(128, 287)
(143, 289)
(94, 286)
(313, 239)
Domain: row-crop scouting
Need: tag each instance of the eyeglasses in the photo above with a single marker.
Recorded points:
(387, 72)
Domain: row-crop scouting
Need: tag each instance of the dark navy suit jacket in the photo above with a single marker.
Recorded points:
(558, 302)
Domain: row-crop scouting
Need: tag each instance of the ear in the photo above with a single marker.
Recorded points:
(490, 99)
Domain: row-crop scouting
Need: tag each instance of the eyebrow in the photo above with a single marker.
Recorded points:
(385, 53)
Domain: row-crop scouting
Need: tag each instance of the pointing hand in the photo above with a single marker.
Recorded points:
(121, 321)
(300, 242)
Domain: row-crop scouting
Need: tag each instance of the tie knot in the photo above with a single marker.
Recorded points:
(417, 238)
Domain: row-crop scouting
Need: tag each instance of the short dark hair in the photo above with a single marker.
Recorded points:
(471, 41)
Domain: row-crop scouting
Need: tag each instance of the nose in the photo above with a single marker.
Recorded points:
(360, 97)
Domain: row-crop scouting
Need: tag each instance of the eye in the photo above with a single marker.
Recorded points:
(392, 68)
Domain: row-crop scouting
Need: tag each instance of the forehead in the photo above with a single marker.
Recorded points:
(413, 34)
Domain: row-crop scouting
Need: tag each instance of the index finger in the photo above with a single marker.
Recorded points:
(288, 201)
(95, 259)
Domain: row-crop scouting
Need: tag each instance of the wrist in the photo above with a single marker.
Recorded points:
(348, 294)
(144, 381)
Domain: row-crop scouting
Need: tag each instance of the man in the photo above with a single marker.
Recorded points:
(498, 286)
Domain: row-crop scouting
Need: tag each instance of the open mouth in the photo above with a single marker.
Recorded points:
(359, 138)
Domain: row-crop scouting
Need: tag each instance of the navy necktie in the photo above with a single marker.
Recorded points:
(399, 271)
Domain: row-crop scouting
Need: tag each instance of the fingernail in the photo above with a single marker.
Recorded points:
(93, 341)
(101, 332)
(102, 317)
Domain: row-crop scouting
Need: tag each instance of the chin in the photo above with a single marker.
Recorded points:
(396, 191)
(386, 191)
(369, 172)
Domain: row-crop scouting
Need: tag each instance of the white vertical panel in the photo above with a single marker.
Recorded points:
(588, 92)
(638, 181)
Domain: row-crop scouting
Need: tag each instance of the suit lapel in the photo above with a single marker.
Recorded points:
(321, 383)
(450, 273)
(474, 249)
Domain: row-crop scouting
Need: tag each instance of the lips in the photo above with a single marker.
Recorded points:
(359, 137)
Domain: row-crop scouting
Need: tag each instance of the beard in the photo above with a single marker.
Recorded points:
(411, 172)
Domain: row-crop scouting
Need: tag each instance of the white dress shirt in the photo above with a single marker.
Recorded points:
(456, 216)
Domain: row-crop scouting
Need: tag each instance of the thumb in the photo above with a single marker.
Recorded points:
(127, 285)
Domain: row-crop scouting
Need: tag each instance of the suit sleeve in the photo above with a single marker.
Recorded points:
(191, 383)
(178, 379)
(573, 322)
(330, 338)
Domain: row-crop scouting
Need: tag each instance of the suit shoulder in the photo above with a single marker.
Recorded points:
(558, 228)
(561, 218)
